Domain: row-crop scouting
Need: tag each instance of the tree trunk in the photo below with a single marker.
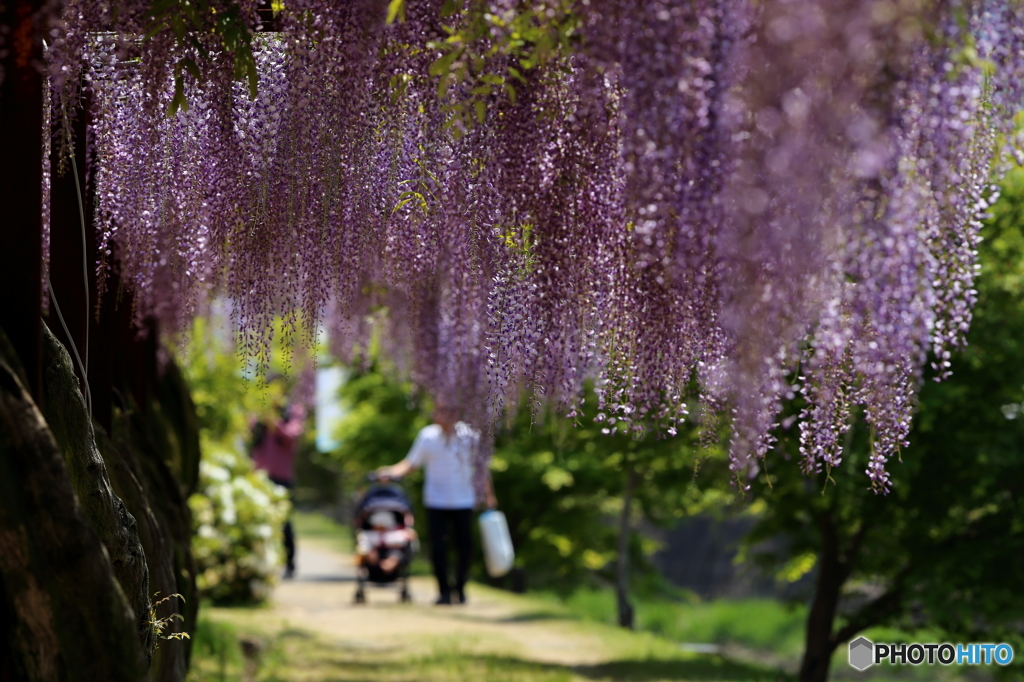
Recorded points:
(165, 442)
(117, 528)
(622, 565)
(137, 456)
(63, 615)
(832, 572)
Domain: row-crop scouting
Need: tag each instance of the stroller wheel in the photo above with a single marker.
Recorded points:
(359, 597)
(405, 597)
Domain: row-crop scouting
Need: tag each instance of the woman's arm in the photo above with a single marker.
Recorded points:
(396, 470)
(413, 460)
(490, 500)
(292, 426)
(286, 432)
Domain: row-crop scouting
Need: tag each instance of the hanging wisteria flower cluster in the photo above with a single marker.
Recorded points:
(735, 200)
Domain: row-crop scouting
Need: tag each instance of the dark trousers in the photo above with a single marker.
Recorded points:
(289, 532)
(289, 545)
(456, 525)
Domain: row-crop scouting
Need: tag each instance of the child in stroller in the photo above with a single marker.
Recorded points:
(385, 539)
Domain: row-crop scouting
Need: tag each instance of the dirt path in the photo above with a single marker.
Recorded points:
(312, 632)
(320, 599)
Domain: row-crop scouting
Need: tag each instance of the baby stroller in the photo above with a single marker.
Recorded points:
(385, 538)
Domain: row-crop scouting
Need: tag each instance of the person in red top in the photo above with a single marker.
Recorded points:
(275, 444)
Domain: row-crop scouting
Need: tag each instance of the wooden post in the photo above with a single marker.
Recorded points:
(21, 179)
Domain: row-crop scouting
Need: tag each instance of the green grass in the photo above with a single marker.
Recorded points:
(321, 530)
(761, 624)
(285, 654)
(277, 653)
(758, 624)
(762, 630)
(753, 633)
(216, 651)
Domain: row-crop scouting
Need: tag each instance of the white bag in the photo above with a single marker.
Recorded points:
(498, 553)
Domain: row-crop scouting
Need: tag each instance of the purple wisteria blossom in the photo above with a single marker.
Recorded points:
(726, 201)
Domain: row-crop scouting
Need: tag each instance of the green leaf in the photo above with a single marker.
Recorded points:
(396, 10)
(178, 100)
(442, 85)
(157, 27)
(443, 64)
(248, 64)
(406, 197)
(190, 66)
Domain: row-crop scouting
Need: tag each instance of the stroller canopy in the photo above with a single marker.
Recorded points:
(386, 497)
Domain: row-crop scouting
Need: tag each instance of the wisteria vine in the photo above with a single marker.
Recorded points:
(730, 201)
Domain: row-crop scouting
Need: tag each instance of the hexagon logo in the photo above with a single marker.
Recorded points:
(862, 653)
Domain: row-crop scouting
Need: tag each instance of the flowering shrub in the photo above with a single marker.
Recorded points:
(238, 514)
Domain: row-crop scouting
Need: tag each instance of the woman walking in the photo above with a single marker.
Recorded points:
(444, 450)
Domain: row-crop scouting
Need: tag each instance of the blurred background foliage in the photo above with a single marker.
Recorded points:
(558, 481)
(943, 552)
(237, 512)
(225, 395)
(238, 515)
(940, 557)
(561, 484)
